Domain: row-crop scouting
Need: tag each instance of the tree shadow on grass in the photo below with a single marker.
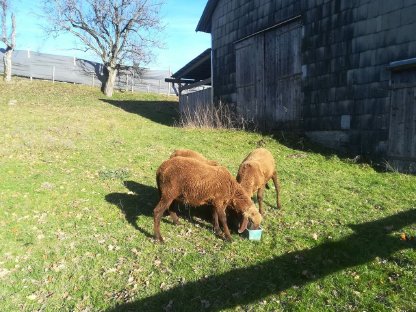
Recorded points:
(253, 283)
(162, 112)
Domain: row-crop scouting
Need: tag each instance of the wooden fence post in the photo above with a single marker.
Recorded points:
(30, 67)
(170, 74)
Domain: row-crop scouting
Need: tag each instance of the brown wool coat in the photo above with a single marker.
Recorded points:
(255, 171)
(197, 183)
(192, 154)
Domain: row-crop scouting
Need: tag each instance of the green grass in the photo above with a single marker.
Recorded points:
(77, 192)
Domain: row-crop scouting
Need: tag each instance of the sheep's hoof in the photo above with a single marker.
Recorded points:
(217, 232)
(159, 239)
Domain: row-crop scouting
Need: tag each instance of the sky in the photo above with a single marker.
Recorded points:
(181, 42)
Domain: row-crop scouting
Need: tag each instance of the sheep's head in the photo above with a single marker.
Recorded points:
(253, 215)
(243, 204)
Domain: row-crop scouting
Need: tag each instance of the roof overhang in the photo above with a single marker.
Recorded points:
(205, 21)
(402, 65)
(196, 73)
(196, 70)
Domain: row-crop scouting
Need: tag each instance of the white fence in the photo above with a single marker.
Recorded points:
(70, 69)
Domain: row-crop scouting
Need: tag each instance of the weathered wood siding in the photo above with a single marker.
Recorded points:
(402, 136)
(234, 20)
(283, 77)
(249, 80)
(268, 78)
(345, 48)
(192, 101)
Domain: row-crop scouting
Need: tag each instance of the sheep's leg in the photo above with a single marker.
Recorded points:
(223, 218)
(260, 193)
(277, 187)
(160, 208)
(173, 215)
(217, 229)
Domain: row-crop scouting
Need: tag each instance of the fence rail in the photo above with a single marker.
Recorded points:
(70, 69)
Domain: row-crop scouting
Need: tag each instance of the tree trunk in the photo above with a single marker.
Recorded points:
(7, 59)
(111, 79)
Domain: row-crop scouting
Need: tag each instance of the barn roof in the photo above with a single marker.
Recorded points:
(197, 69)
(204, 24)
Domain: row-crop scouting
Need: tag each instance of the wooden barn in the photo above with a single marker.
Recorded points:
(341, 71)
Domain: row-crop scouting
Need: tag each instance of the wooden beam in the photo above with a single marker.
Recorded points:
(402, 64)
(180, 80)
(196, 84)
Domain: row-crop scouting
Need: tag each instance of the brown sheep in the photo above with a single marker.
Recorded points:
(192, 154)
(196, 183)
(198, 156)
(255, 171)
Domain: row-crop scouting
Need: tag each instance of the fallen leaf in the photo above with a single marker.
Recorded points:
(3, 272)
(32, 297)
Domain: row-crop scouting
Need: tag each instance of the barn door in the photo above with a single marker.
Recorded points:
(283, 76)
(249, 80)
(268, 78)
(402, 132)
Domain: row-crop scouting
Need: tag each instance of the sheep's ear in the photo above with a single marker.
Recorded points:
(243, 226)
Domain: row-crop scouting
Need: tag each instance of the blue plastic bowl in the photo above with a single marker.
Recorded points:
(255, 234)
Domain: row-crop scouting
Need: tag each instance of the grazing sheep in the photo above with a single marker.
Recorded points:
(255, 171)
(196, 183)
(192, 154)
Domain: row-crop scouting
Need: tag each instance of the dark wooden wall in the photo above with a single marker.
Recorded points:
(345, 48)
(268, 77)
(233, 20)
(402, 134)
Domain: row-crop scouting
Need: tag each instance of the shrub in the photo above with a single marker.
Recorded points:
(218, 116)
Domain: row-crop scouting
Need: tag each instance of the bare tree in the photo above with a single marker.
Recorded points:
(9, 39)
(120, 32)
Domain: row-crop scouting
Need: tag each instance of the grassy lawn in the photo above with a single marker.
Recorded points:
(77, 192)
